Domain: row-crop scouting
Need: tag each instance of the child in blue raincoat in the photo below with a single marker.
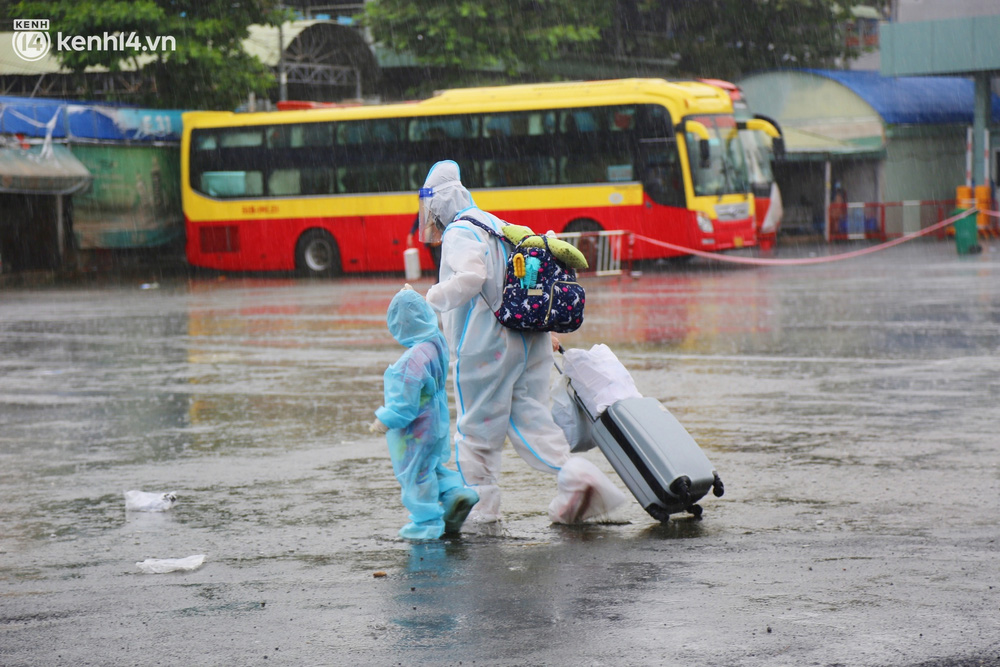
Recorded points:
(415, 420)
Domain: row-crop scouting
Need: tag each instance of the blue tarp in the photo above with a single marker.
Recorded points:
(912, 100)
(87, 120)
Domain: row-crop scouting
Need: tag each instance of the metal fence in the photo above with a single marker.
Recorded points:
(608, 252)
(881, 221)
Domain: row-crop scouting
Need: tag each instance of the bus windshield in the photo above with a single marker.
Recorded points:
(725, 171)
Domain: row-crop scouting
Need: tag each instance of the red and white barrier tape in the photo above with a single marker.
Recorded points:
(762, 261)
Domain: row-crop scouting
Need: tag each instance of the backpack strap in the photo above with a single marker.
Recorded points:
(492, 232)
(545, 239)
(484, 227)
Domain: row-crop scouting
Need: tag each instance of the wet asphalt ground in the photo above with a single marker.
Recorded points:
(851, 408)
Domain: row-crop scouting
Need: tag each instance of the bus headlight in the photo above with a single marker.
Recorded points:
(705, 223)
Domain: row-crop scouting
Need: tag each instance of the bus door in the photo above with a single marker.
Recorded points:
(662, 173)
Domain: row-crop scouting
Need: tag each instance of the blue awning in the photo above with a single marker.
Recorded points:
(33, 117)
(912, 100)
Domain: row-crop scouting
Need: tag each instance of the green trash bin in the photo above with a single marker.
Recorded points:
(966, 234)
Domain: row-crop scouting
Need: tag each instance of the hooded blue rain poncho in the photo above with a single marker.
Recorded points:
(416, 412)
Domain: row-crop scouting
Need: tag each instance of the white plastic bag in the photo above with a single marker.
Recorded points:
(162, 565)
(141, 501)
(569, 416)
(598, 378)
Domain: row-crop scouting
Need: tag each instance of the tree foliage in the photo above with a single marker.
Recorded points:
(515, 35)
(726, 38)
(707, 38)
(207, 69)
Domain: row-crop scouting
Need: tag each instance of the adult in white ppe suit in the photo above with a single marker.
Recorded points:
(501, 375)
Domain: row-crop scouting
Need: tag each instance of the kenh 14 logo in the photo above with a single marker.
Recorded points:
(32, 41)
(31, 38)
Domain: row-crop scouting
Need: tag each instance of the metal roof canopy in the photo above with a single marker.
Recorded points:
(965, 47)
(821, 118)
(912, 100)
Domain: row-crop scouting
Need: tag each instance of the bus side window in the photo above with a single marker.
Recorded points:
(284, 182)
(415, 130)
(582, 170)
(519, 125)
(229, 184)
(285, 136)
(384, 131)
(443, 127)
(541, 123)
(350, 133)
(204, 141)
(418, 174)
(240, 138)
(254, 184)
(519, 172)
(318, 181)
(654, 122)
(422, 130)
(370, 178)
(317, 134)
(622, 119)
(578, 121)
(496, 126)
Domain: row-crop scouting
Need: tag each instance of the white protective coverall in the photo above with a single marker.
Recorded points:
(501, 375)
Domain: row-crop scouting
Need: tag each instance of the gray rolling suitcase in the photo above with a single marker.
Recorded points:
(656, 457)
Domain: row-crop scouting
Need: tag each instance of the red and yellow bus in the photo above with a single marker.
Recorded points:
(762, 143)
(331, 190)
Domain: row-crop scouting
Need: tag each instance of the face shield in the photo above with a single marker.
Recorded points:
(431, 227)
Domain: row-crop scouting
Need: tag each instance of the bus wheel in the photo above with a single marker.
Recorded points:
(316, 254)
(586, 245)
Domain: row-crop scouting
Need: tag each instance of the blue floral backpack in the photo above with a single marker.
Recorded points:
(540, 292)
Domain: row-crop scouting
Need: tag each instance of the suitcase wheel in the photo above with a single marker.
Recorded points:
(695, 510)
(717, 487)
(681, 488)
(659, 513)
